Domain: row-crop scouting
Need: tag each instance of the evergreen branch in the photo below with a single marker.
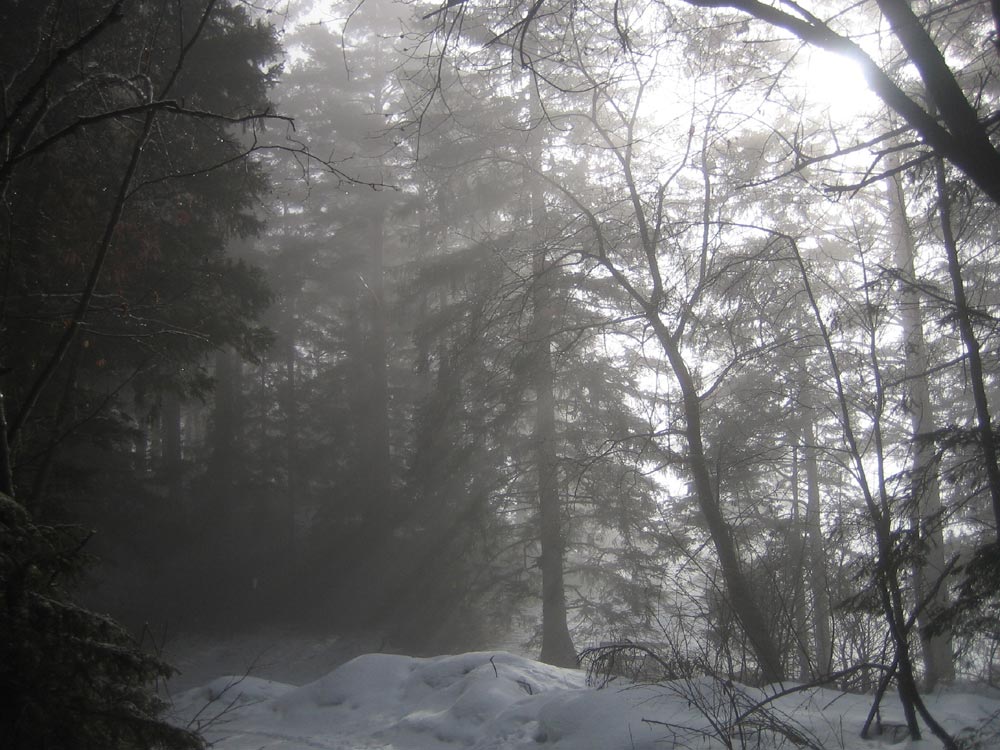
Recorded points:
(161, 105)
(113, 16)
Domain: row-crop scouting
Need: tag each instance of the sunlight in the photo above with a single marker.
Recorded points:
(835, 83)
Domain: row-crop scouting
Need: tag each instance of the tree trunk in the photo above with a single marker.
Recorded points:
(6, 474)
(170, 430)
(813, 558)
(37, 504)
(741, 596)
(963, 312)
(822, 637)
(557, 644)
(291, 450)
(227, 427)
(375, 459)
(924, 486)
(798, 553)
(887, 562)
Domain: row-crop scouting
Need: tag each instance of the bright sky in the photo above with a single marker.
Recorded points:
(836, 82)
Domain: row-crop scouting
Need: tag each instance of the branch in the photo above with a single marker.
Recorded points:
(113, 16)
(966, 145)
(164, 105)
(83, 306)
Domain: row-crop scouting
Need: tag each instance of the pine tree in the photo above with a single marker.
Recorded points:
(123, 178)
(69, 678)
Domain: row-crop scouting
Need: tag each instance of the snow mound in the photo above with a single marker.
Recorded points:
(413, 702)
(499, 701)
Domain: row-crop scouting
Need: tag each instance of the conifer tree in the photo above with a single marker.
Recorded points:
(123, 175)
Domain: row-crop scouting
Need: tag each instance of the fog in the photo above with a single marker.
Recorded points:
(331, 329)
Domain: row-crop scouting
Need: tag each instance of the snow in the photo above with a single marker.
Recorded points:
(497, 700)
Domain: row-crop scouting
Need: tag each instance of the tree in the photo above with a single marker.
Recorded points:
(594, 106)
(947, 111)
(491, 284)
(962, 134)
(924, 484)
(123, 176)
(557, 644)
(332, 248)
(888, 558)
(69, 678)
(951, 126)
(150, 308)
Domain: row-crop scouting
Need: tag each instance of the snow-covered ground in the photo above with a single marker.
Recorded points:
(273, 653)
(494, 700)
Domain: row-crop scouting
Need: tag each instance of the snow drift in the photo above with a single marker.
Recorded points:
(494, 700)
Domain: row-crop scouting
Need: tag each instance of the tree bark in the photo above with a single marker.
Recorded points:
(924, 486)
(6, 473)
(227, 428)
(886, 559)
(62, 416)
(557, 644)
(798, 553)
(375, 450)
(963, 312)
(291, 450)
(170, 428)
(741, 595)
(818, 584)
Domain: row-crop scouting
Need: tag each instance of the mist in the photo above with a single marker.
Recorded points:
(662, 332)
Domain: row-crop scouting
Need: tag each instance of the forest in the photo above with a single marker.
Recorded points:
(657, 331)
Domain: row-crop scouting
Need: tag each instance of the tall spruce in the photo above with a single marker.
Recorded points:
(123, 175)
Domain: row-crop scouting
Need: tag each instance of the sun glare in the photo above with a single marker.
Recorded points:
(836, 83)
